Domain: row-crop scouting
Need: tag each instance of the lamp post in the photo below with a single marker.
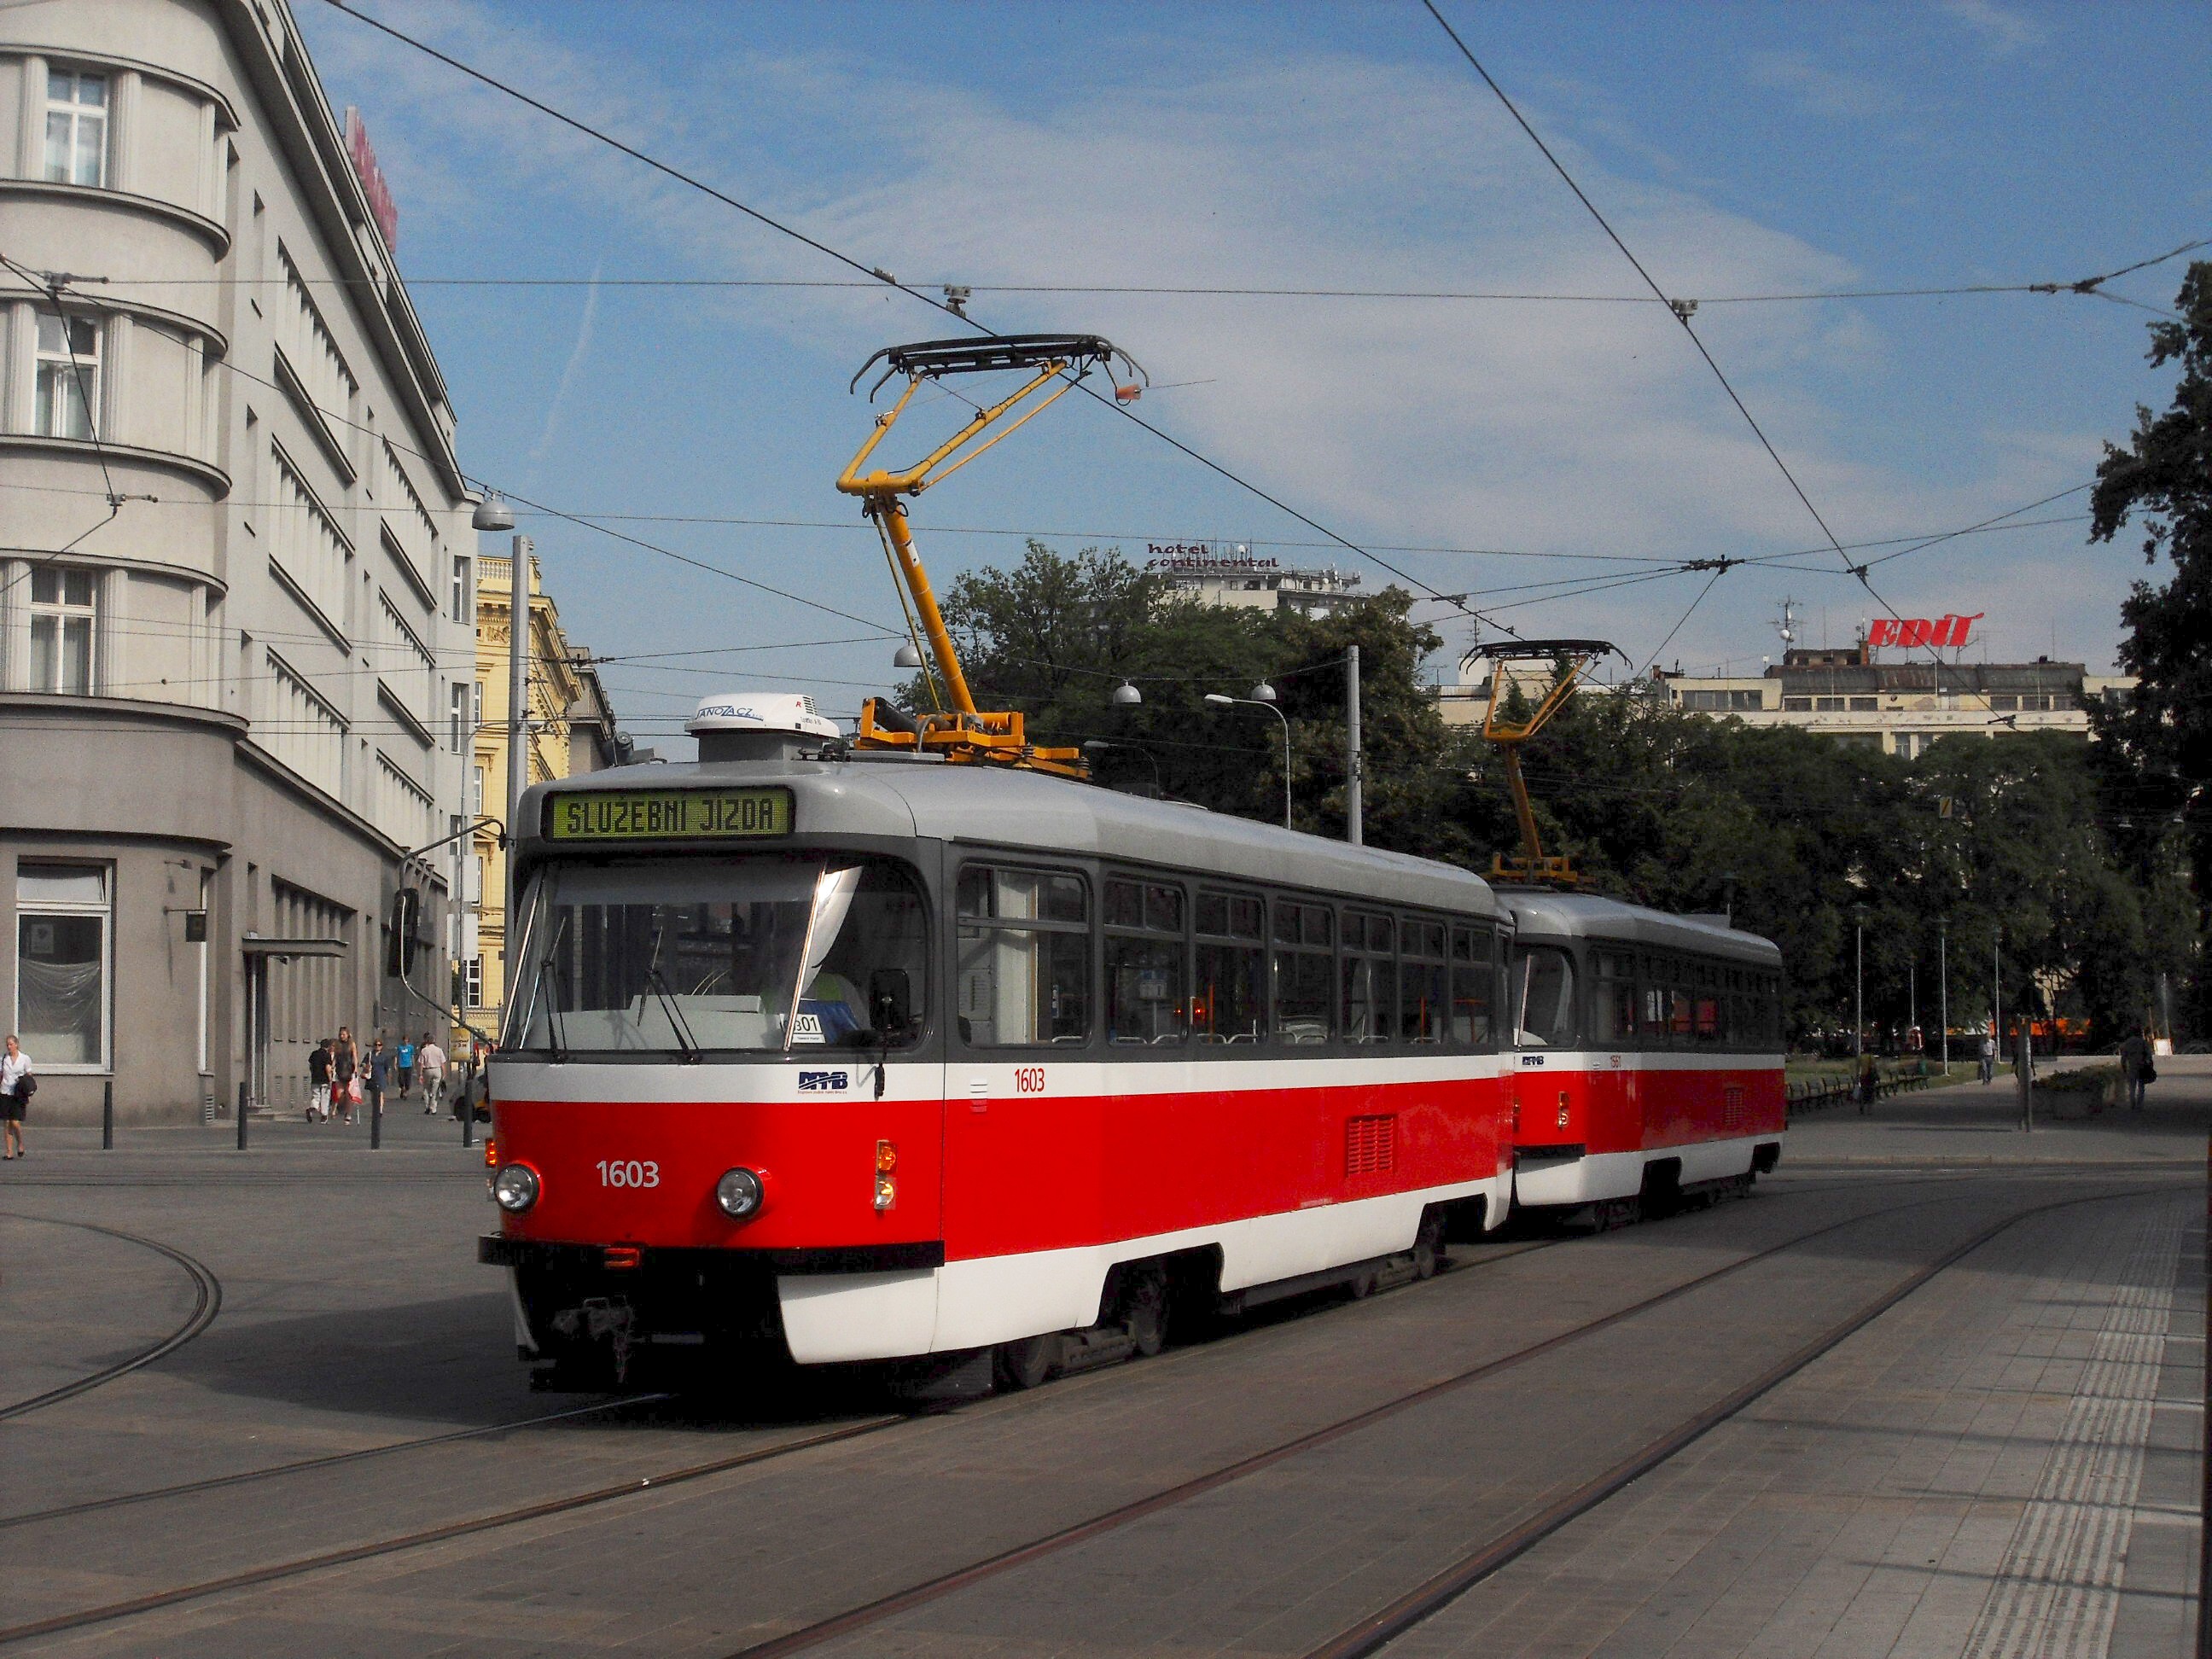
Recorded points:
(1099, 746)
(1263, 697)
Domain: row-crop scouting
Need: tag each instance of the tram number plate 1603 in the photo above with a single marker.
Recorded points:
(618, 1172)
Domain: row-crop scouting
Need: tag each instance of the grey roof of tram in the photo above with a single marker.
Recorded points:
(1034, 810)
(1582, 915)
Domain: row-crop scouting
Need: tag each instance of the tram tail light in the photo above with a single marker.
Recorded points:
(886, 1186)
(886, 1158)
(491, 1153)
(886, 1192)
(1563, 1108)
(622, 1258)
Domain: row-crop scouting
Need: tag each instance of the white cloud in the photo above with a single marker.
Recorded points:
(1817, 89)
(1557, 427)
(2003, 32)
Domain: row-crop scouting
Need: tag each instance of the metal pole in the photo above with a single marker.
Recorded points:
(2204, 1499)
(1353, 829)
(1944, 992)
(241, 1114)
(1858, 993)
(375, 1118)
(468, 1118)
(108, 1116)
(1997, 991)
(517, 684)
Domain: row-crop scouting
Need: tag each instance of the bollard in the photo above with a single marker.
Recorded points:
(468, 1121)
(108, 1116)
(241, 1117)
(375, 1118)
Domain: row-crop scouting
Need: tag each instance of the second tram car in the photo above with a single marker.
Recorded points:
(1648, 1057)
(868, 1057)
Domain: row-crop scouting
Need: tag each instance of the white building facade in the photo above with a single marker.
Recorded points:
(236, 570)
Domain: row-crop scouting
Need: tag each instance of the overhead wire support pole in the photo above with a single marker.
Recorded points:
(1353, 831)
(518, 696)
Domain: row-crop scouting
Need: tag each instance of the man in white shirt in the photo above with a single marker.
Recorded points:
(430, 1062)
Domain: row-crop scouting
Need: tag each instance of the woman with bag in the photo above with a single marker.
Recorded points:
(17, 1085)
(345, 1063)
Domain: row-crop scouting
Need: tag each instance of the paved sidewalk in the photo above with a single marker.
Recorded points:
(1974, 1125)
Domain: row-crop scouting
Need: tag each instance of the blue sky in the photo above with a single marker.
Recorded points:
(1739, 150)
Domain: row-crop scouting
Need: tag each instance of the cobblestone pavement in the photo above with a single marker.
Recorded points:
(2005, 1462)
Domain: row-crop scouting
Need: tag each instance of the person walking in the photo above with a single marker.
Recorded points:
(1869, 1085)
(345, 1068)
(404, 1058)
(2136, 1068)
(375, 1077)
(2023, 1069)
(430, 1060)
(1989, 1057)
(318, 1081)
(17, 1085)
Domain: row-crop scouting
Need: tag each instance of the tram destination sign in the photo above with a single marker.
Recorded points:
(668, 815)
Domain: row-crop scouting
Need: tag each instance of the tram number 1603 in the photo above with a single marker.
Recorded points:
(619, 1173)
(1029, 1079)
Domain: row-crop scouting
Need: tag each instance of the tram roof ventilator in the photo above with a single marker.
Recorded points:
(760, 726)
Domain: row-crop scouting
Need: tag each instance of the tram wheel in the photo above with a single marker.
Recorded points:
(1144, 1312)
(1026, 1363)
(1429, 1246)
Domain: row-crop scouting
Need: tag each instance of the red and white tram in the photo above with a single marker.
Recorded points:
(872, 1056)
(1648, 1059)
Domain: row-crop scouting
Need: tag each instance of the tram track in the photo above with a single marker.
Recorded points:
(937, 1587)
(207, 1304)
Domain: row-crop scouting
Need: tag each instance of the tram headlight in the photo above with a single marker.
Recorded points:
(514, 1188)
(739, 1192)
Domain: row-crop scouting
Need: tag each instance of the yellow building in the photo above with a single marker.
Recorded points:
(572, 729)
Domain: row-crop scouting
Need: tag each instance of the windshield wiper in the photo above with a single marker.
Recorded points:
(653, 978)
(537, 989)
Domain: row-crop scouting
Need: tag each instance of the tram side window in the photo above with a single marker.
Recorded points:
(1542, 988)
(1305, 972)
(1612, 1008)
(1368, 973)
(1231, 1003)
(1474, 983)
(1146, 995)
(1424, 1005)
(1024, 957)
(1707, 1006)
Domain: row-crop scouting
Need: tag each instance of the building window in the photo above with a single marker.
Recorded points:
(1797, 705)
(1863, 704)
(69, 376)
(473, 982)
(76, 127)
(1828, 705)
(63, 610)
(463, 610)
(457, 738)
(61, 965)
(2004, 702)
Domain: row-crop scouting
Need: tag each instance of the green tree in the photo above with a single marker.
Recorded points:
(2161, 484)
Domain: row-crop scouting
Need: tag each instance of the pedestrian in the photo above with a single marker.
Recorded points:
(2136, 1068)
(318, 1081)
(376, 1076)
(345, 1068)
(404, 1059)
(1989, 1057)
(2023, 1070)
(17, 1085)
(430, 1060)
(1869, 1085)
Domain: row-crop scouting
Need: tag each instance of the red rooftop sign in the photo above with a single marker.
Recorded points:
(1907, 632)
(363, 155)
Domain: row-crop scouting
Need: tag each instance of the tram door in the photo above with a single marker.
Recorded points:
(1022, 997)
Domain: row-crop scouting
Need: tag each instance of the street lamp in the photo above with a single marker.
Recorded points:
(1126, 695)
(1263, 697)
(1100, 745)
(907, 656)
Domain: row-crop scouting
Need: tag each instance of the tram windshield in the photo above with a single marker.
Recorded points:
(751, 955)
(1542, 989)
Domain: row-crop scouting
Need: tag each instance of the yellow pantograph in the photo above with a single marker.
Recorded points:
(1531, 865)
(1056, 363)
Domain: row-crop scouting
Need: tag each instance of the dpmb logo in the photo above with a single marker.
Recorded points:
(824, 1082)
